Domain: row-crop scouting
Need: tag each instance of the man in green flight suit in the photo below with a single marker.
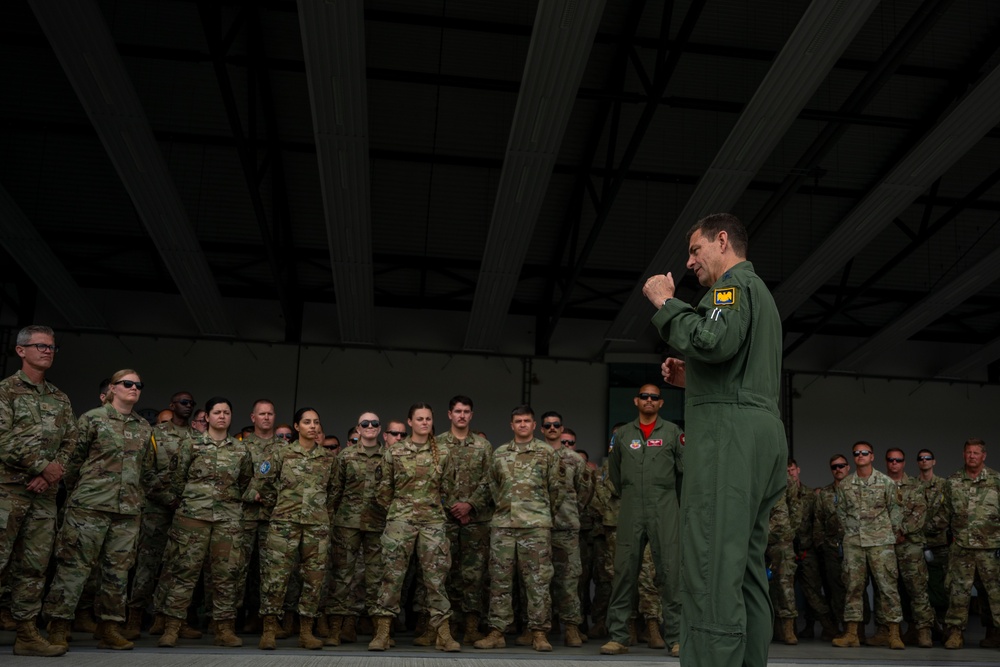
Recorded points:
(736, 449)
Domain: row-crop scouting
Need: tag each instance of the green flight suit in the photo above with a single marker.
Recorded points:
(647, 471)
(734, 468)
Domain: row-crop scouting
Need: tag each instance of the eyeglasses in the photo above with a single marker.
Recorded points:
(568, 442)
(649, 397)
(42, 347)
(369, 423)
(837, 466)
(925, 458)
(186, 402)
(398, 434)
(862, 452)
(128, 384)
(285, 436)
(201, 421)
(551, 424)
(353, 441)
(330, 446)
(893, 459)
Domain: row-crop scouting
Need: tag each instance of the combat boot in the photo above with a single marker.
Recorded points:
(472, 633)
(423, 620)
(188, 632)
(84, 621)
(7, 622)
(924, 638)
(954, 640)
(133, 625)
(287, 627)
(524, 639)
(788, 631)
(59, 632)
(675, 650)
(910, 636)
(29, 642)
(306, 638)
(539, 641)
(572, 637)
(614, 648)
(427, 638)
(850, 637)
(991, 640)
(881, 636)
(171, 629)
(861, 633)
(598, 630)
(380, 642)
(493, 640)
(830, 627)
(110, 637)
(333, 637)
(895, 641)
(653, 630)
(268, 636)
(159, 623)
(349, 630)
(445, 642)
(225, 634)
(321, 628)
(633, 633)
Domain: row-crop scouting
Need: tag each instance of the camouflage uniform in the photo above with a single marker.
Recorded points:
(37, 427)
(801, 508)
(256, 517)
(210, 479)
(870, 513)
(527, 489)
(910, 552)
(607, 504)
(828, 536)
(591, 545)
(471, 458)
(417, 482)
(297, 484)
(936, 540)
(971, 507)
(358, 522)
(107, 472)
(781, 557)
(157, 515)
(565, 538)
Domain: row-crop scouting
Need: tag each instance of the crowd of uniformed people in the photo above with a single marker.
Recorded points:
(115, 526)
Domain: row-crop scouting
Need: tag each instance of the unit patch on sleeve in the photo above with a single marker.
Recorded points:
(726, 296)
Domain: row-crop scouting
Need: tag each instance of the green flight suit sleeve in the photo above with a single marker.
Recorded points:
(614, 476)
(713, 338)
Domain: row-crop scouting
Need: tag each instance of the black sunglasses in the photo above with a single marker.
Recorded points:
(186, 402)
(925, 458)
(837, 466)
(862, 452)
(568, 442)
(398, 434)
(649, 397)
(551, 424)
(373, 423)
(285, 436)
(128, 384)
(893, 459)
(353, 441)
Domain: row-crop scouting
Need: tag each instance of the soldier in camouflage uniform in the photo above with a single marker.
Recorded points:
(106, 477)
(971, 508)
(158, 515)
(870, 514)
(417, 484)
(566, 531)
(781, 559)
(211, 474)
(469, 516)
(527, 490)
(358, 522)
(299, 491)
(935, 537)
(37, 434)
(910, 547)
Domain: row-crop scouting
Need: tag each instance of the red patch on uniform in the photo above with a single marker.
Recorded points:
(654, 443)
(682, 439)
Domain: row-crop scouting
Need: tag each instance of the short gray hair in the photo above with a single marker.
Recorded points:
(25, 334)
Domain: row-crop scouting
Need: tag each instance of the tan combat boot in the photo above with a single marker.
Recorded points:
(84, 621)
(7, 622)
(423, 619)
(428, 637)
(225, 634)
(653, 630)
(614, 648)
(29, 642)
(306, 638)
(321, 628)
(924, 638)
(675, 650)
(493, 640)
(572, 637)
(524, 639)
(472, 633)
(954, 640)
(895, 641)
(850, 637)
(598, 630)
(881, 636)
(633, 633)
(133, 624)
(111, 637)
(187, 632)
(788, 631)
(991, 640)
(333, 636)
(539, 642)
(349, 630)
(380, 642)
(59, 629)
(171, 629)
(444, 641)
(288, 626)
(268, 637)
(159, 623)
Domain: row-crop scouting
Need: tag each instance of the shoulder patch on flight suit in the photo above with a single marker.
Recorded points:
(726, 296)
(681, 439)
(654, 443)
(635, 444)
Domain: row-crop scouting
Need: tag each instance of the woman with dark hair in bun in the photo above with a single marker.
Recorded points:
(299, 491)
(211, 475)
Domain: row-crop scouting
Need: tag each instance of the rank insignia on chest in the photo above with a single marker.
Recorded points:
(654, 443)
(265, 467)
(635, 444)
(725, 296)
(378, 472)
